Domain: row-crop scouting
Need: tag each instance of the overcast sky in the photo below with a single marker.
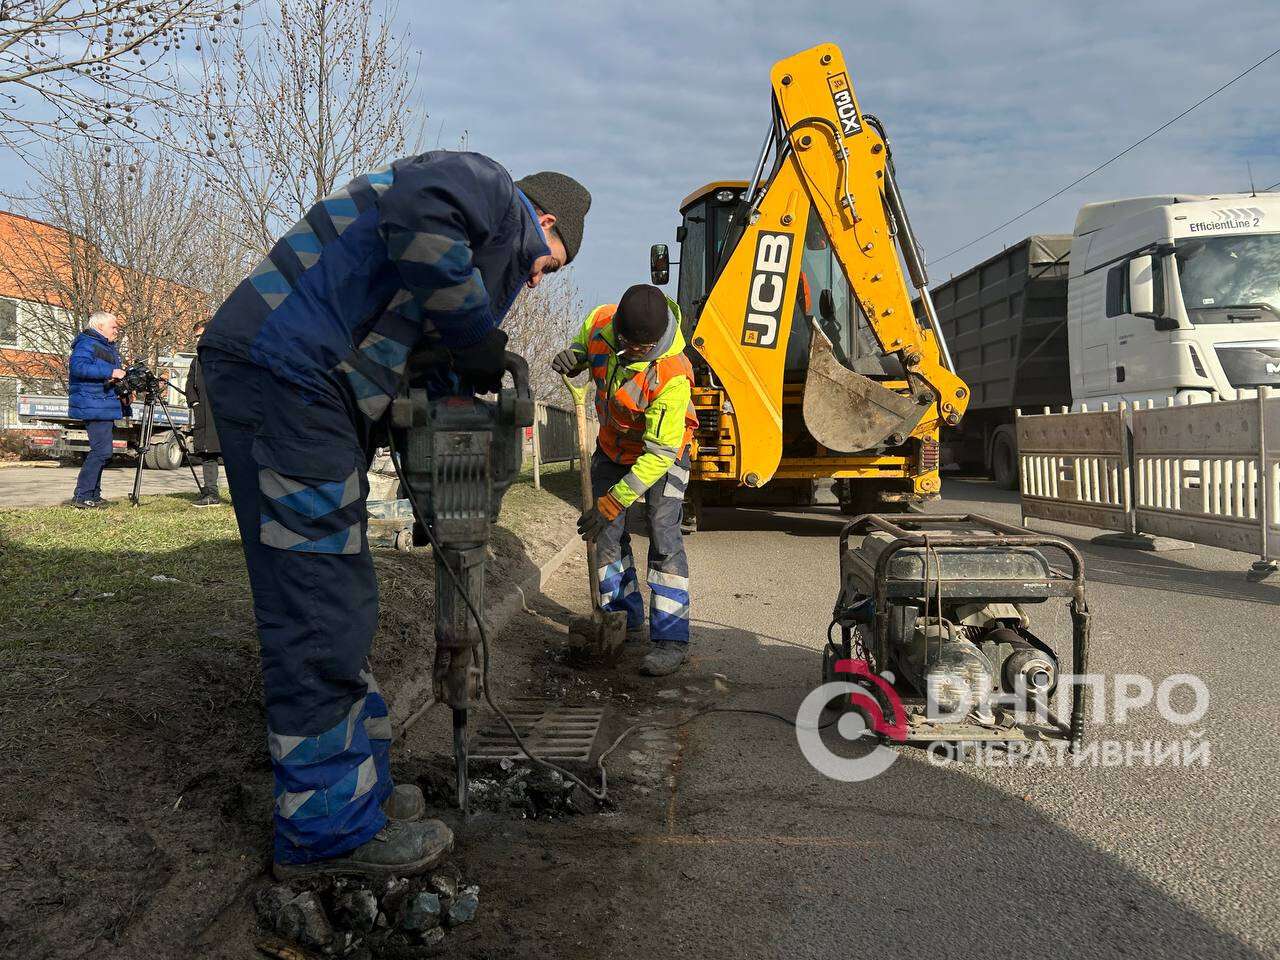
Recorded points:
(991, 105)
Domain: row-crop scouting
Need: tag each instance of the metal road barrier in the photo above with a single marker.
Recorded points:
(1206, 472)
(1074, 467)
(555, 437)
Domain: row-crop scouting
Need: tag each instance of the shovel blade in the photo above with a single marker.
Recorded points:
(612, 632)
(847, 412)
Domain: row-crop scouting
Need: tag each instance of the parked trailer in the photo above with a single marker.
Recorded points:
(1161, 298)
(1006, 323)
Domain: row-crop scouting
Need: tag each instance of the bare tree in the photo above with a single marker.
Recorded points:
(137, 235)
(311, 94)
(539, 325)
(91, 67)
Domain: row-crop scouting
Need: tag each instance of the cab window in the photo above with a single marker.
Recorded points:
(693, 262)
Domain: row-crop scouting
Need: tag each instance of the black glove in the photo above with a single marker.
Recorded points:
(593, 522)
(568, 362)
(480, 365)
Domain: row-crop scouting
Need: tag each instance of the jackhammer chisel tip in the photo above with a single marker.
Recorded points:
(460, 756)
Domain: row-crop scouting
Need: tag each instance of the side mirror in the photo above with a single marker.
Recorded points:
(1142, 290)
(659, 264)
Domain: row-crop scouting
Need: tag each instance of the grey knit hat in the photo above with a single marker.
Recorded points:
(564, 198)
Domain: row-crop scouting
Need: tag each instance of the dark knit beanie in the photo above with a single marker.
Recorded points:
(642, 314)
(565, 199)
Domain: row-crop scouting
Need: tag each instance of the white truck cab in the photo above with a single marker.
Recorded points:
(1174, 296)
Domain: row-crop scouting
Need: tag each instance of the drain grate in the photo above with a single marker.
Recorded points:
(551, 731)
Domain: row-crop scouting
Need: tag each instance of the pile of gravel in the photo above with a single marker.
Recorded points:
(362, 919)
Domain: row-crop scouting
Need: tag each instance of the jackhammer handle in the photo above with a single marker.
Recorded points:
(518, 367)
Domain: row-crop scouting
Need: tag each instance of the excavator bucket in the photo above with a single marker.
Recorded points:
(847, 412)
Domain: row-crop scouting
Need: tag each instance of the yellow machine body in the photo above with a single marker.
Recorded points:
(823, 214)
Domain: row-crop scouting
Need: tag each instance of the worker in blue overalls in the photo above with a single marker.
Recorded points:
(301, 364)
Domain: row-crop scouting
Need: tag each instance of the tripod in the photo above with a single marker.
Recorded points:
(152, 394)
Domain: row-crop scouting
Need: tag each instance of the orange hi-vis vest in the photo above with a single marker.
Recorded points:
(624, 392)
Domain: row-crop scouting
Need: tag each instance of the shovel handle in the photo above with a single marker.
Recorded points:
(579, 395)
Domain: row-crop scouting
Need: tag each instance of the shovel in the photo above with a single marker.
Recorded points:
(607, 630)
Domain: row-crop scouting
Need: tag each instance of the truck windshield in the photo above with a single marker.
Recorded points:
(1237, 272)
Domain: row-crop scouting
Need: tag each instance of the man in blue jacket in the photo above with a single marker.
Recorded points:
(95, 366)
(422, 258)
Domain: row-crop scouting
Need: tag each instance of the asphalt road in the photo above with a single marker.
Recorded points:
(760, 855)
(31, 486)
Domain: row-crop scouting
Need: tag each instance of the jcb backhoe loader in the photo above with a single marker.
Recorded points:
(809, 363)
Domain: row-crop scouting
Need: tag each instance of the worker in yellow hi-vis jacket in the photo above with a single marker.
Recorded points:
(635, 353)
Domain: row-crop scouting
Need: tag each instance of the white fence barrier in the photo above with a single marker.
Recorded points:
(1075, 468)
(1204, 472)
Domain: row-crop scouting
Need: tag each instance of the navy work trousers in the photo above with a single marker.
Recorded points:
(296, 464)
(668, 567)
(89, 481)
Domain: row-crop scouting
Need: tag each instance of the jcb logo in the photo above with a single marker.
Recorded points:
(846, 109)
(768, 284)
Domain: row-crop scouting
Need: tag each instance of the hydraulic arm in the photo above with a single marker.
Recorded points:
(831, 162)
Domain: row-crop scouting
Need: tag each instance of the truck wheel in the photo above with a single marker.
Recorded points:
(1004, 460)
(169, 455)
(149, 458)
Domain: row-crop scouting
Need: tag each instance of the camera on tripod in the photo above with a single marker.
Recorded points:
(138, 379)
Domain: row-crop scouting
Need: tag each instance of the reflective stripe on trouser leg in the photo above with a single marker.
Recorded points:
(618, 582)
(331, 786)
(618, 590)
(668, 564)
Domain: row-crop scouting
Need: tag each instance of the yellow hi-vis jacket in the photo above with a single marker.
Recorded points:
(645, 408)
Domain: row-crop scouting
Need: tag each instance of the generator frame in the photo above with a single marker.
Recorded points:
(859, 578)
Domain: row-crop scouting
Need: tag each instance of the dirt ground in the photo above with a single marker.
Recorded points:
(135, 784)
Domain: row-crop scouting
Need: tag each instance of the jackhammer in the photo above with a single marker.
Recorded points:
(456, 457)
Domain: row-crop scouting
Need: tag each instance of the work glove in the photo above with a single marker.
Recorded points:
(568, 362)
(479, 366)
(593, 523)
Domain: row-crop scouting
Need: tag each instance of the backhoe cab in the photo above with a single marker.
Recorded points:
(808, 361)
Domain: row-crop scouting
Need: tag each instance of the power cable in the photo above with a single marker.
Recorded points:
(1113, 159)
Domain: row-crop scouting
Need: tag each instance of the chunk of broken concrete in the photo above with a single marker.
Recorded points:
(303, 919)
(444, 884)
(433, 937)
(420, 912)
(464, 908)
(394, 890)
(269, 901)
(356, 909)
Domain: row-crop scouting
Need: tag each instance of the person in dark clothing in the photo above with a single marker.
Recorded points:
(95, 366)
(204, 435)
(422, 258)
